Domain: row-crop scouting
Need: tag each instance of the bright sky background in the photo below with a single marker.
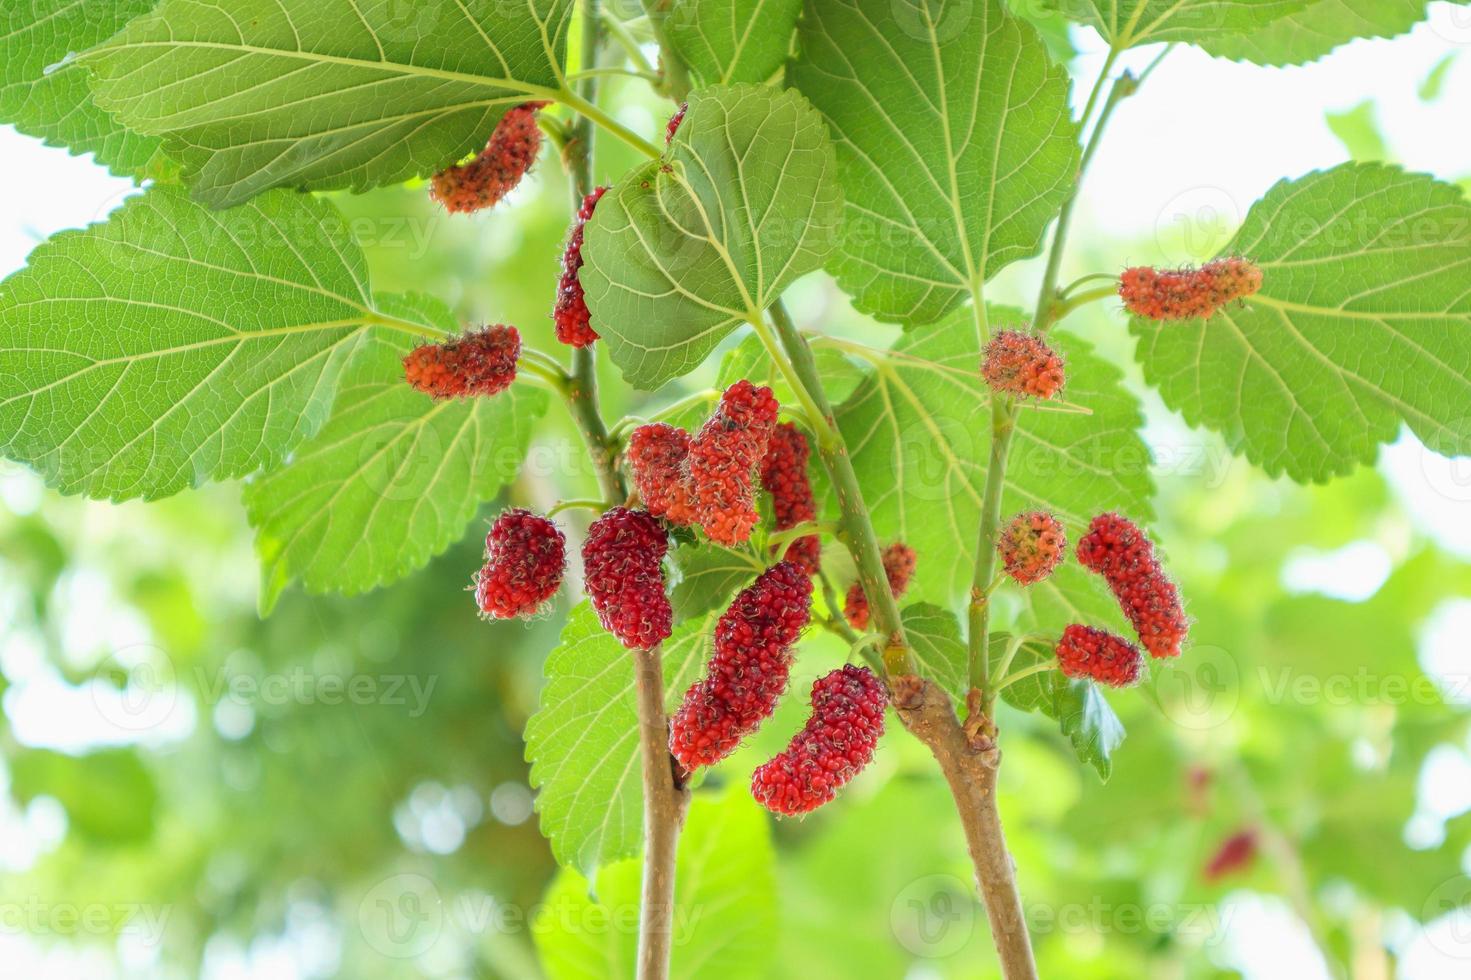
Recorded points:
(1205, 137)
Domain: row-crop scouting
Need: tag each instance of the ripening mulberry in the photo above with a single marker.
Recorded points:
(624, 578)
(1118, 550)
(784, 475)
(1031, 546)
(525, 555)
(1236, 853)
(574, 323)
(723, 459)
(479, 363)
(1107, 658)
(674, 122)
(747, 672)
(838, 741)
(658, 456)
(1187, 294)
(899, 562)
(1020, 364)
(497, 169)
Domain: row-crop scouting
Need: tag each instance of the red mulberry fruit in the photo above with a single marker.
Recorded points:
(899, 562)
(747, 672)
(1116, 549)
(838, 741)
(1020, 364)
(624, 578)
(1236, 853)
(479, 363)
(497, 169)
(525, 555)
(1031, 546)
(674, 122)
(574, 323)
(723, 459)
(1105, 657)
(784, 475)
(658, 455)
(1188, 294)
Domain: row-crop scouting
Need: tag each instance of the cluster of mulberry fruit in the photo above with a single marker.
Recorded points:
(1023, 365)
(622, 571)
(837, 742)
(899, 563)
(1031, 546)
(747, 672)
(573, 321)
(1119, 551)
(525, 556)
(1188, 294)
(784, 476)
(1108, 658)
(480, 363)
(497, 169)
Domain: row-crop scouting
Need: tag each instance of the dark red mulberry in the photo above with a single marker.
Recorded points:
(574, 322)
(838, 741)
(899, 563)
(1031, 546)
(497, 169)
(674, 122)
(1084, 651)
(1236, 853)
(784, 475)
(658, 455)
(624, 577)
(479, 363)
(1187, 294)
(1020, 364)
(1115, 548)
(723, 459)
(747, 672)
(525, 555)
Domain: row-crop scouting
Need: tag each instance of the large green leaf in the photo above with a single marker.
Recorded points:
(956, 146)
(709, 576)
(1078, 706)
(173, 345)
(919, 433)
(683, 250)
(938, 649)
(725, 914)
(393, 478)
(1308, 34)
(55, 104)
(1125, 23)
(729, 41)
(582, 742)
(326, 93)
(1363, 323)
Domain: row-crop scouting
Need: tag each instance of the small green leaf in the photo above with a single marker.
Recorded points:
(172, 345)
(55, 103)
(109, 796)
(325, 93)
(393, 478)
(1080, 709)
(1363, 324)
(728, 41)
(956, 146)
(1126, 23)
(1308, 34)
(709, 576)
(1359, 132)
(582, 742)
(937, 647)
(725, 898)
(682, 251)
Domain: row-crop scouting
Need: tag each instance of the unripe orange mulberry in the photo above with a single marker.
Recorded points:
(479, 363)
(658, 456)
(497, 169)
(1031, 546)
(723, 459)
(899, 564)
(1021, 364)
(1187, 294)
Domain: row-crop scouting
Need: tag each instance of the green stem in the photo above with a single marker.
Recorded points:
(1061, 308)
(776, 541)
(619, 32)
(1003, 424)
(584, 107)
(561, 505)
(1007, 681)
(676, 73)
(649, 77)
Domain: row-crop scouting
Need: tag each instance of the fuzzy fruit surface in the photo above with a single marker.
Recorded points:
(497, 169)
(784, 476)
(525, 555)
(1188, 294)
(723, 459)
(1031, 546)
(835, 745)
(570, 314)
(658, 456)
(674, 122)
(899, 564)
(1117, 549)
(748, 670)
(1084, 651)
(478, 364)
(623, 574)
(1022, 365)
